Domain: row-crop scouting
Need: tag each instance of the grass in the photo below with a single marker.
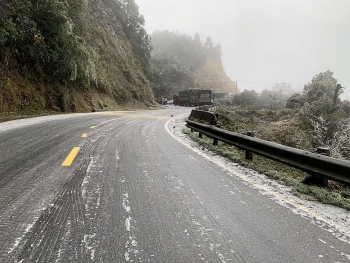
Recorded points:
(277, 171)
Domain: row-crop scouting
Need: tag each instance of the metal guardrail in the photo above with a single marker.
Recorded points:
(203, 116)
(312, 163)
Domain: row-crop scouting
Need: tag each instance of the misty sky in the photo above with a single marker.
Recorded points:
(264, 42)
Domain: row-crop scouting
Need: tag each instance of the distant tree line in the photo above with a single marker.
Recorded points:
(274, 99)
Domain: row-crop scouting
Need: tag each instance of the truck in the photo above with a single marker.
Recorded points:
(195, 97)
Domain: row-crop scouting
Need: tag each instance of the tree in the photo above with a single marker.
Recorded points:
(134, 27)
(268, 100)
(217, 51)
(346, 107)
(40, 36)
(327, 128)
(282, 88)
(208, 43)
(246, 99)
(197, 39)
(322, 84)
(324, 114)
(5, 15)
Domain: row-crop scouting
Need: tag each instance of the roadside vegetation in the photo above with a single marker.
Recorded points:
(72, 55)
(321, 120)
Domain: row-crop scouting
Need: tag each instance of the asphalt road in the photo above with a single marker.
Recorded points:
(116, 187)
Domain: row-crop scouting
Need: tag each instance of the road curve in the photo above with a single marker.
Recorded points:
(117, 187)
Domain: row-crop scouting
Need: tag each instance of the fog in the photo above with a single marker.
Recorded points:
(264, 42)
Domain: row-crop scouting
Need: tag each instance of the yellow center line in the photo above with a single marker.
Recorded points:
(71, 156)
(84, 135)
(93, 127)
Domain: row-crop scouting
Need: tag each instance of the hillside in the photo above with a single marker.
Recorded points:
(212, 76)
(73, 55)
(181, 62)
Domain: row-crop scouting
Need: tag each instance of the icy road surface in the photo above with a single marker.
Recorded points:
(130, 187)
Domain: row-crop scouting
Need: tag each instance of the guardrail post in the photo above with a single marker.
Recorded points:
(327, 152)
(215, 142)
(217, 116)
(324, 151)
(248, 154)
(316, 179)
(200, 135)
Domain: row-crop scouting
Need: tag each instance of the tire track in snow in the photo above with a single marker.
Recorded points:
(131, 245)
(38, 243)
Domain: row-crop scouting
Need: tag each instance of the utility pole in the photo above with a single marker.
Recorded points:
(236, 86)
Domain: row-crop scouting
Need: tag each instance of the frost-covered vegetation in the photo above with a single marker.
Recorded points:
(321, 118)
(50, 50)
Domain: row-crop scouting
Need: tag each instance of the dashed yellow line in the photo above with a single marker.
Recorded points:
(71, 156)
(93, 127)
(84, 135)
